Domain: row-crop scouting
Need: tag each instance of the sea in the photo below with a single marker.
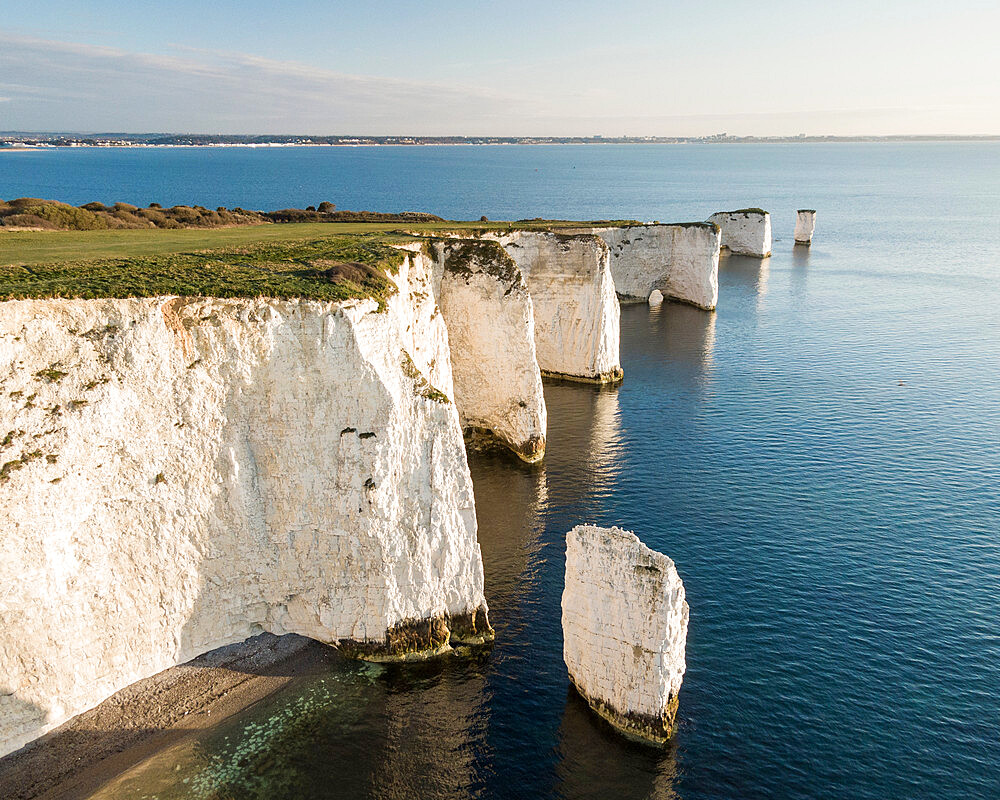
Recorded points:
(820, 457)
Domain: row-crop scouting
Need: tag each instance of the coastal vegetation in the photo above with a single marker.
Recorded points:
(332, 268)
(94, 250)
(34, 213)
(19, 247)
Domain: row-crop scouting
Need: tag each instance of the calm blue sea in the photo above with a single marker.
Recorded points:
(820, 457)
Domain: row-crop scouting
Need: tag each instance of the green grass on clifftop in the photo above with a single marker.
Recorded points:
(324, 261)
(331, 268)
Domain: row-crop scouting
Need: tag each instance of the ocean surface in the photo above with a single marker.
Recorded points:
(820, 457)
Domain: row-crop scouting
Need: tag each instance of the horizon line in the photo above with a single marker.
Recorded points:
(589, 137)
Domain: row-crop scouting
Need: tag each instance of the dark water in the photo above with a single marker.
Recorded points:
(821, 458)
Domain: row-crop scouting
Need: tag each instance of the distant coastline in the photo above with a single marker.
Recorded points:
(16, 141)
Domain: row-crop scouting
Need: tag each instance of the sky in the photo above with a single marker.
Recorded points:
(507, 67)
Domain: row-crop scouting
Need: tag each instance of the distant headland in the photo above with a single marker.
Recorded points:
(19, 140)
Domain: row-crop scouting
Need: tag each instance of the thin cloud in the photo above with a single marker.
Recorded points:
(107, 88)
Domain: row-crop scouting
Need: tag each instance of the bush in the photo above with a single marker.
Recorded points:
(27, 221)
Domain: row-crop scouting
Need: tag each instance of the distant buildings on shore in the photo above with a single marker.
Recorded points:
(15, 139)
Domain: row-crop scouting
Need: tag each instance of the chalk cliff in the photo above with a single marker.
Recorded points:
(681, 261)
(491, 330)
(177, 474)
(746, 231)
(805, 224)
(625, 622)
(577, 317)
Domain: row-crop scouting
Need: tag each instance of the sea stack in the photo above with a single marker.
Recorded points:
(655, 298)
(577, 317)
(680, 260)
(805, 224)
(625, 621)
(745, 232)
(491, 334)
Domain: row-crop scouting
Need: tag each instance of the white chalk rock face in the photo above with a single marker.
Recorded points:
(577, 317)
(681, 261)
(745, 232)
(491, 331)
(184, 473)
(625, 623)
(805, 224)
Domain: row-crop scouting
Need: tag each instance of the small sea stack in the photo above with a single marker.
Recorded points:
(655, 298)
(805, 224)
(625, 621)
(745, 232)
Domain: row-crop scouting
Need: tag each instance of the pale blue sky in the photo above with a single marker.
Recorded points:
(637, 68)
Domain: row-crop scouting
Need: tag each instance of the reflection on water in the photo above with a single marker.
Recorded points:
(510, 503)
(584, 439)
(674, 333)
(432, 726)
(593, 759)
(749, 272)
(797, 279)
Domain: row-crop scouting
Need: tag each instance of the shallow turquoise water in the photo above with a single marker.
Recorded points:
(821, 458)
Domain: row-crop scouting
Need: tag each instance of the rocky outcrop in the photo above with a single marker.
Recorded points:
(577, 317)
(681, 261)
(491, 331)
(805, 224)
(179, 474)
(625, 622)
(745, 232)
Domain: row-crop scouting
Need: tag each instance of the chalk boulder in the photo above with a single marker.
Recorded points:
(625, 622)
(491, 332)
(184, 473)
(746, 231)
(681, 261)
(655, 298)
(577, 317)
(805, 224)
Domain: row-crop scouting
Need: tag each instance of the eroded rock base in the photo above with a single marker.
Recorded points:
(609, 378)
(421, 639)
(646, 729)
(484, 440)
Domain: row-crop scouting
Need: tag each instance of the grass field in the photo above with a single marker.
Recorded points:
(324, 261)
(46, 247)
(328, 268)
